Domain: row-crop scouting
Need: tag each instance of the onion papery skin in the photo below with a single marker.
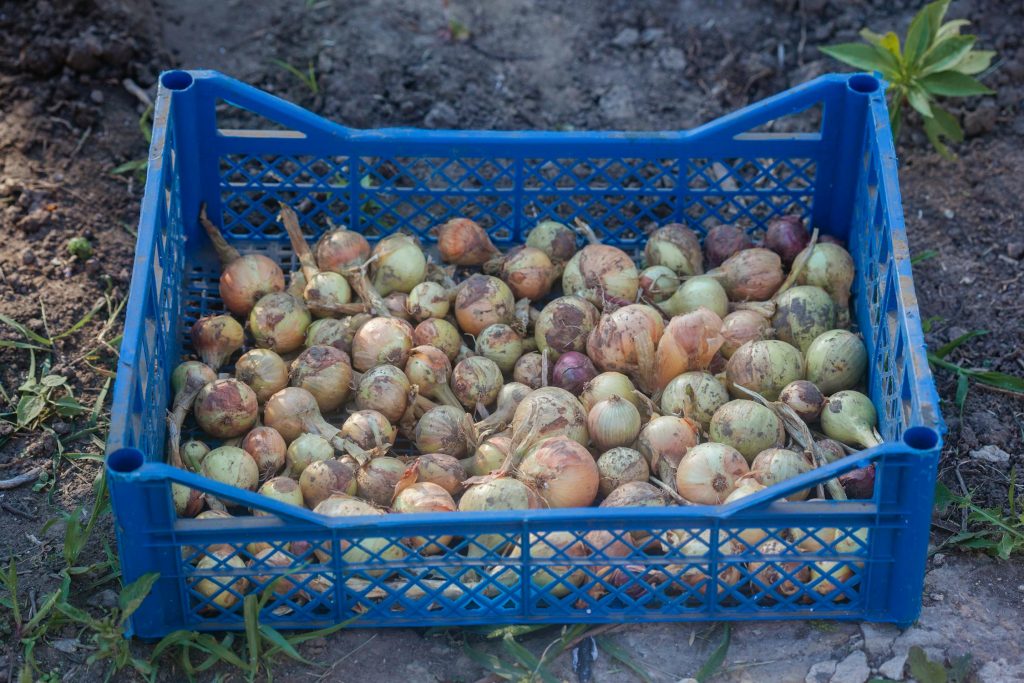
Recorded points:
(696, 395)
(619, 466)
(428, 300)
(830, 267)
(677, 247)
(658, 283)
(335, 332)
(267, 448)
(325, 372)
(562, 472)
(548, 412)
(689, 342)
(626, 341)
(443, 429)
(599, 272)
(528, 272)
(804, 398)
(529, 370)
(740, 327)
(664, 441)
(482, 301)
(463, 242)
(425, 497)
(476, 381)
(775, 465)
(555, 239)
(304, 451)
(369, 429)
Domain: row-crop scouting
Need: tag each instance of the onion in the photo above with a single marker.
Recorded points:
(708, 473)
(335, 332)
(368, 429)
(304, 451)
(572, 372)
(696, 292)
(193, 451)
(361, 550)
(606, 385)
(664, 441)
(440, 334)
(618, 466)
(399, 265)
(381, 340)
(326, 293)
(323, 371)
(829, 541)
(804, 398)
(748, 427)
(740, 327)
(509, 398)
(278, 322)
(677, 247)
(562, 472)
(836, 360)
(425, 497)
(215, 338)
(802, 314)
(245, 279)
(483, 300)
(749, 538)
(339, 250)
(488, 457)
(629, 494)
(187, 502)
(201, 374)
(293, 411)
(625, 341)
(221, 590)
(501, 493)
(439, 469)
(226, 408)
(476, 381)
(385, 389)
(553, 579)
(658, 283)
(376, 480)
(398, 305)
(722, 241)
(564, 325)
(787, 237)
(463, 242)
(774, 465)
(548, 412)
(765, 367)
(768, 577)
(529, 370)
(430, 369)
(752, 274)
(850, 417)
(689, 342)
(555, 239)
(528, 272)
(280, 567)
(501, 344)
(187, 380)
(231, 466)
(613, 422)
(696, 395)
(267, 448)
(859, 484)
(264, 371)
(829, 450)
(428, 300)
(323, 478)
(600, 273)
(445, 429)
(281, 489)
(830, 267)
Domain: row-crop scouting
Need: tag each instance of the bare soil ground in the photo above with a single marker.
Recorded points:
(66, 121)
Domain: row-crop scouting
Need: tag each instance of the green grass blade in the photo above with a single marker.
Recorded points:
(495, 665)
(281, 643)
(948, 347)
(616, 652)
(716, 658)
(527, 660)
(251, 616)
(24, 331)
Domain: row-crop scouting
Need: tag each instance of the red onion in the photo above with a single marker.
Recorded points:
(859, 484)
(216, 337)
(722, 241)
(572, 371)
(787, 237)
(463, 242)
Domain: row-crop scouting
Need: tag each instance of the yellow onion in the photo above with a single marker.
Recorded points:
(339, 250)
(267, 448)
(626, 341)
(199, 373)
(695, 549)
(572, 372)
(438, 468)
(215, 338)
(429, 369)
(696, 395)
(664, 441)
(751, 537)
(445, 429)
(689, 342)
(376, 480)
(836, 360)
(323, 371)
(463, 242)
(323, 478)
(304, 451)
(325, 293)
(193, 451)
(802, 314)
(385, 389)
(528, 272)
(282, 489)
(221, 590)
(740, 327)
(501, 344)
(600, 273)
(483, 300)
(279, 566)
(708, 473)
(804, 398)
(830, 267)
(750, 275)
(398, 304)
(769, 575)
(606, 385)
(562, 472)
(696, 292)
(381, 340)
(293, 411)
(501, 493)
(658, 283)
(488, 456)
(335, 332)
(548, 412)
(553, 579)
(773, 465)
(850, 417)
(613, 422)
(398, 265)
(278, 322)
(245, 279)
(360, 550)
(564, 325)
(440, 334)
(529, 370)
(264, 371)
(765, 367)
(428, 300)
(748, 427)
(369, 429)
(677, 247)
(555, 239)
(232, 466)
(425, 497)
(187, 502)
(509, 398)
(618, 466)
(476, 381)
(226, 408)
(722, 241)
(828, 576)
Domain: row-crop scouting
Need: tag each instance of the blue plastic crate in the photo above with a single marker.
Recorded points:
(841, 176)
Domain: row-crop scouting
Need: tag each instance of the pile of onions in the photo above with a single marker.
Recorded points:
(555, 579)
(564, 325)
(483, 301)
(600, 273)
(509, 398)
(562, 472)
(372, 549)
(626, 341)
(323, 478)
(438, 469)
(376, 480)
(222, 590)
(677, 247)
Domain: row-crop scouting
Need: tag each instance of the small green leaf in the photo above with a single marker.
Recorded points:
(961, 390)
(1000, 380)
(495, 665)
(616, 652)
(975, 62)
(135, 593)
(950, 346)
(944, 497)
(922, 669)
(53, 380)
(282, 643)
(130, 166)
(950, 29)
(917, 258)
(891, 42)
(715, 660)
(861, 56)
(29, 408)
(251, 616)
(68, 407)
(29, 334)
(919, 36)
(1005, 546)
(72, 612)
(946, 124)
(953, 84)
(920, 101)
(946, 54)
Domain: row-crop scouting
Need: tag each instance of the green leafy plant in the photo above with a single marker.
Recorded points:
(44, 396)
(992, 530)
(933, 61)
(308, 77)
(998, 380)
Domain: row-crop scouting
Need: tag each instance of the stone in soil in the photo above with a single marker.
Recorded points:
(853, 669)
(617, 104)
(893, 668)
(441, 115)
(878, 638)
(821, 672)
(990, 453)
(1015, 250)
(627, 37)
